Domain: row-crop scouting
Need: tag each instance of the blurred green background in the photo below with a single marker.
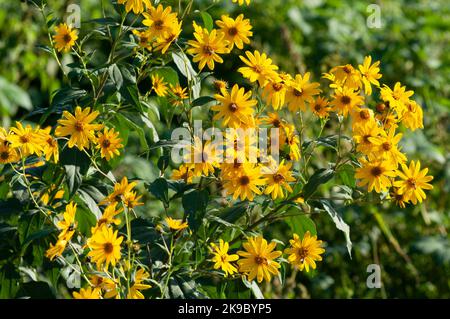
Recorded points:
(412, 245)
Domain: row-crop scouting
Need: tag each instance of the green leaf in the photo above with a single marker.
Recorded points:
(169, 75)
(339, 222)
(35, 290)
(319, 177)
(130, 93)
(202, 101)
(116, 75)
(301, 224)
(86, 220)
(194, 204)
(253, 286)
(207, 20)
(15, 95)
(185, 67)
(347, 175)
(160, 189)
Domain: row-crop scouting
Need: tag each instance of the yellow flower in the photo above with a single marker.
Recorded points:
(345, 75)
(50, 146)
(345, 100)
(274, 120)
(388, 147)
(220, 85)
(109, 143)
(203, 158)
(105, 284)
(88, 293)
(412, 116)
(27, 139)
(108, 217)
(183, 173)
(78, 127)
(398, 98)
(304, 253)
(120, 191)
(375, 174)
(160, 21)
(65, 37)
(164, 42)
(278, 177)
(235, 108)
(245, 184)
(299, 91)
(259, 67)
(135, 291)
(258, 259)
(241, 2)
(138, 6)
(105, 246)
(274, 92)
(292, 140)
(320, 107)
(237, 31)
(145, 39)
(8, 154)
(222, 259)
(399, 199)
(240, 146)
(179, 94)
(68, 224)
(413, 182)
(56, 250)
(366, 136)
(131, 200)
(45, 198)
(176, 224)
(370, 74)
(159, 86)
(207, 47)
(361, 116)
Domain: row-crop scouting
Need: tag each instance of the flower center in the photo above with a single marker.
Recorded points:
(79, 126)
(364, 114)
(158, 24)
(24, 139)
(302, 253)
(376, 171)
(277, 86)
(244, 180)
(106, 143)
(276, 123)
(298, 93)
(261, 260)
(208, 50)
(67, 38)
(387, 146)
(317, 107)
(4, 155)
(412, 183)
(257, 69)
(366, 139)
(345, 99)
(233, 107)
(232, 31)
(381, 107)
(347, 70)
(102, 221)
(278, 178)
(108, 248)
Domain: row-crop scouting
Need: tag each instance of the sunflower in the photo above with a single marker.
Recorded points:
(375, 174)
(366, 137)
(120, 191)
(160, 21)
(179, 94)
(50, 148)
(361, 116)
(320, 107)
(135, 290)
(399, 199)
(27, 139)
(258, 259)
(108, 217)
(105, 246)
(388, 147)
(184, 172)
(398, 98)
(163, 42)
(235, 108)
(259, 67)
(293, 141)
(88, 293)
(245, 184)
(109, 143)
(78, 127)
(138, 6)
(274, 92)
(207, 47)
(8, 154)
(370, 74)
(68, 224)
(237, 31)
(304, 253)
(345, 75)
(412, 116)
(176, 224)
(274, 120)
(131, 199)
(108, 285)
(345, 100)
(278, 177)
(56, 250)
(145, 39)
(299, 91)
(413, 182)
(222, 259)
(203, 158)
(65, 37)
(158, 85)
(241, 146)
(220, 85)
